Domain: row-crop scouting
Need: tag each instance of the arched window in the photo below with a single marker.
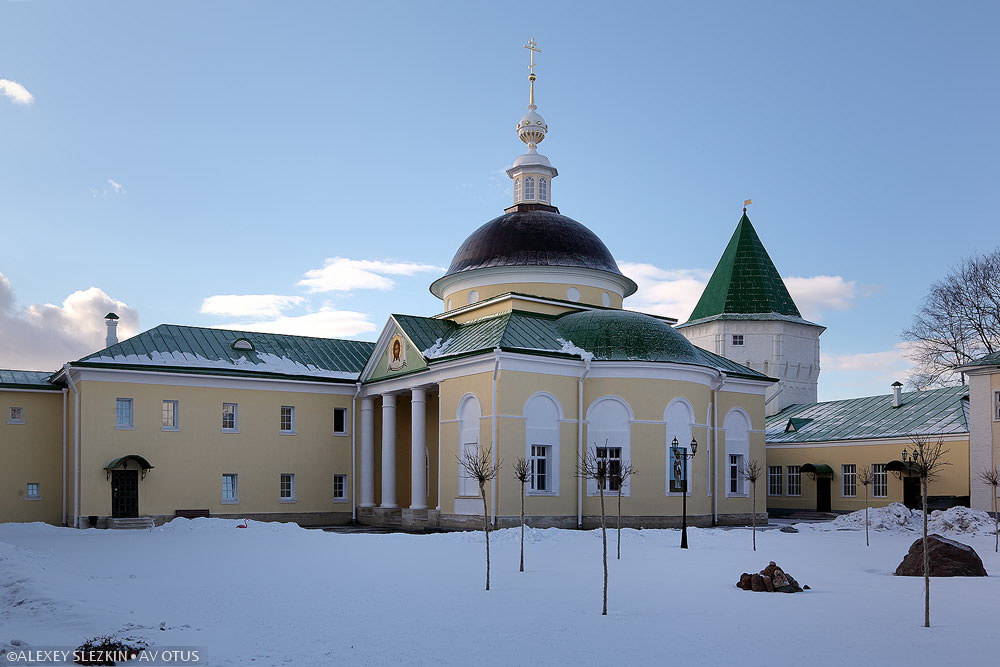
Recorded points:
(529, 188)
(680, 419)
(737, 434)
(517, 189)
(609, 423)
(543, 189)
(469, 414)
(541, 442)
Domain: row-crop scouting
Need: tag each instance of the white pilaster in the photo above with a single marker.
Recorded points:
(418, 443)
(388, 451)
(367, 452)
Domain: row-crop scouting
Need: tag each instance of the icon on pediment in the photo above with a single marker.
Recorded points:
(397, 353)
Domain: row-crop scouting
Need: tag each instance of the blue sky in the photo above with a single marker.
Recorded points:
(176, 155)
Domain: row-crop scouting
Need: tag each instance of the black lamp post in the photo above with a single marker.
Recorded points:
(678, 454)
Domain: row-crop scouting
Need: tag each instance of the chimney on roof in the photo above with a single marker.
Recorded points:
(897, 394)
(112, 321)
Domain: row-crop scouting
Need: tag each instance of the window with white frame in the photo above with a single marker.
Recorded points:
(529, 187)
(230, 489)
(170, 422)
(286, 423)
(541, 456)
(287, 488)
(737, 339)
(543, 189)
(612, 459)
(774, 476)
(340, 487)
(517, 189)
(849, 475)
(34, 491)
(123, 413)
(880, 481)
(736, 478)
(15, 415)
(794, 478)
(230, 417)
(340, 421)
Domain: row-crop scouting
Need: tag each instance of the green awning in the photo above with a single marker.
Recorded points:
(815, 470)
(122, 462)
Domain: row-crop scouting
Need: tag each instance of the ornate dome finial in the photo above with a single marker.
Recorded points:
(532, 128)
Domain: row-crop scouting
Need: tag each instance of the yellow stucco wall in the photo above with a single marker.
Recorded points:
(189, 463)
(953, 479)
(32, 452)
(588, 295)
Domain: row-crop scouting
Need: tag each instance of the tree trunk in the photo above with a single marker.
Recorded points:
(619, 521)
(486, 527)
(522, 526)
(753, 516)
(604, 541)
(927, 559)
(866, 516)
(996, 521)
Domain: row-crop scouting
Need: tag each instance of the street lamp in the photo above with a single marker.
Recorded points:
(680, 477)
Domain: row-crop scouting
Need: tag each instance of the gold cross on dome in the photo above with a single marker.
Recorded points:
(531, 46)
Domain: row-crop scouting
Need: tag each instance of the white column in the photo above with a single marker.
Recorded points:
(388, 451)
(418, 443)
(367, 452)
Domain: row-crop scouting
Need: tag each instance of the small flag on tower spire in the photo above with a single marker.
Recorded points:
(747, 202)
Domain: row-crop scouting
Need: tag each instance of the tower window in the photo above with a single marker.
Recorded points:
(517, 189)
(737, 339)
(529, 188)
(543, 189)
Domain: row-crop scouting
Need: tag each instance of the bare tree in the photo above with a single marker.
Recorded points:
(926, 461)
(592, 467)
(958, 322)
(478, 465)
(752, 471)
(865, 477)
(619, 478)
(991, 478)
(522, 472)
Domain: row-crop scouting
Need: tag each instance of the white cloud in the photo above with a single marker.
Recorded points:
(116, 187)
(45, 336)
(863, 373)
(327, 322)
(16, 92)
(340, 274)
(815, 295)
(673, 293)
(249, 305)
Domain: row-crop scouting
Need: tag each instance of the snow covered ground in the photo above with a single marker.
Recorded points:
(276, 594)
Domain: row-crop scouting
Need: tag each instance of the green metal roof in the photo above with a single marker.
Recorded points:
(13, 379)
(609, 335)
(210, 351)
(992, 359)
(745, 281)
(933, 412)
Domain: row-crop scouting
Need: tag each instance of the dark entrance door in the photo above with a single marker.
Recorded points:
(822, 494)
(124, 494)
(911, 492)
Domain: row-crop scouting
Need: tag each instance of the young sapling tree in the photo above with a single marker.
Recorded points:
(478, 465)
(752, 471)
(926, 461)
(865, 477)
(522, 472)
(991, 478)
(594, 467)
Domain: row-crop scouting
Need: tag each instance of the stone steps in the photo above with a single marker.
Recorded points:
(132, 523)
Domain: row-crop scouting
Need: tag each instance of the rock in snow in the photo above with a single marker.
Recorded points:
(948, 558)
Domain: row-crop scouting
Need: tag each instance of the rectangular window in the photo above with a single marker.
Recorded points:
(541, 468)
(287, 419)
(849, 474)
(774, 480)
(34, 491)
(736, 473)
(996, 406)
(230, 489)
(169, 416)
(123, 413)
(340, 487)
(287, 492)
(339, 421)
(794, 480)
(16, 416)
(230, 417)
(612, 457)
(737, 339)
(880, 481)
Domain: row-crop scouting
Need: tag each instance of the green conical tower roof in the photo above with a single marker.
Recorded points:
(745, 282)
